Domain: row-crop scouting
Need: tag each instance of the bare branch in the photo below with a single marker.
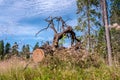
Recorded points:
(42, 30)
(65, 31)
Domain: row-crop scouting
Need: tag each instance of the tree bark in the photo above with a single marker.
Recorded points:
(88, 20)
(105, 18)
(60, 35)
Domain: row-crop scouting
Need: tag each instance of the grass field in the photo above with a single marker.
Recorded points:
(53, 68)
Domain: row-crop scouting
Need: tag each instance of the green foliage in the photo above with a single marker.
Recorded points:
(7, 48)
(101, 46)
(115, 11)
(115, 38)
(15, 49)
(36, 46)
(115, 41)
(115, 34)
(88, 21)
(26, 51)
(23, 49)
(62, 41)
(1, 49)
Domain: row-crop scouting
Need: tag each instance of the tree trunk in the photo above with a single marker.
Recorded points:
(105, 18)
(60, 35)
(88, 21)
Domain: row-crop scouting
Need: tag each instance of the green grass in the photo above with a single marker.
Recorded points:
(66, 73)
(53, 68)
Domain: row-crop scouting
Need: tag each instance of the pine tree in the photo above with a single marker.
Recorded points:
(15, 49)
(115, 34)
(36, 46)
(101, 44)
(26, 51)
(27, 48)
(23, 49)
(105, 21)
(7, 48)
(1, 49)
(115, 11)
(88, 12)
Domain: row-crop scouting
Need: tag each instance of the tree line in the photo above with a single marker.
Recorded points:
(94, 18)
(7, 50)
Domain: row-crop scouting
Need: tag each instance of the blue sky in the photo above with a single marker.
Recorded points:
(20, 20)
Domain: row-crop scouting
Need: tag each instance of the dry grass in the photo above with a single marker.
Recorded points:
(17, 62)
(13, 62)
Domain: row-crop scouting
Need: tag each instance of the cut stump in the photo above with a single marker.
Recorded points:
(38, 55)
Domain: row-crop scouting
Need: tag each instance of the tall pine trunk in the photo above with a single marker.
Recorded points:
(88, 21)
(105, 21)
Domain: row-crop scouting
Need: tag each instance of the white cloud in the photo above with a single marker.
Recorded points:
(18, 30)
(11, 11)
(50, 7)
(23, 8)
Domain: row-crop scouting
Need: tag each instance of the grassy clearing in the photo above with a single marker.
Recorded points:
(53, 68)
